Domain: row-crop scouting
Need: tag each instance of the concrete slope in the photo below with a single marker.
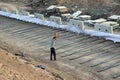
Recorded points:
(83, 56)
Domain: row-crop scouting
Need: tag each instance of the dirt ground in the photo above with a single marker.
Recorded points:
(14, 68)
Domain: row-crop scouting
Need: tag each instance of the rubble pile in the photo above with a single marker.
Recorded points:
(116, 10)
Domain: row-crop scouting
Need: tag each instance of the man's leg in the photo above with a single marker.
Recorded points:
(51, 51)
(54, 54)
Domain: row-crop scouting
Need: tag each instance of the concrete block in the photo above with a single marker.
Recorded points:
(25, 13)
(4, 9)
(56, 19)
(77, 23)
(39, 16)
(14, 11)
(107, 29)
(52, 18)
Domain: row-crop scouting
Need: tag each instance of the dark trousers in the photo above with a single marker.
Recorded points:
(52, 54)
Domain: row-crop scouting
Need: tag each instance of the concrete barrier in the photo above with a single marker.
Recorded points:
(39, 16)
(14, 11)
(77, 23)
(107, 29)
(25, 13)
(4, 9)
(56, 19)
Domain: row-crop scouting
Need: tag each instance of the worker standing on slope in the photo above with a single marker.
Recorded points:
(52, 47)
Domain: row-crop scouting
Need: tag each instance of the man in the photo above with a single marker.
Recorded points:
(52, 48)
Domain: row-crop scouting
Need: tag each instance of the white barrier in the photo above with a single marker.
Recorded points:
(102, 28)
(56, 19)
(77, 23)
(25, 13)
(4, 9)
(14, 11)
(39, 16)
